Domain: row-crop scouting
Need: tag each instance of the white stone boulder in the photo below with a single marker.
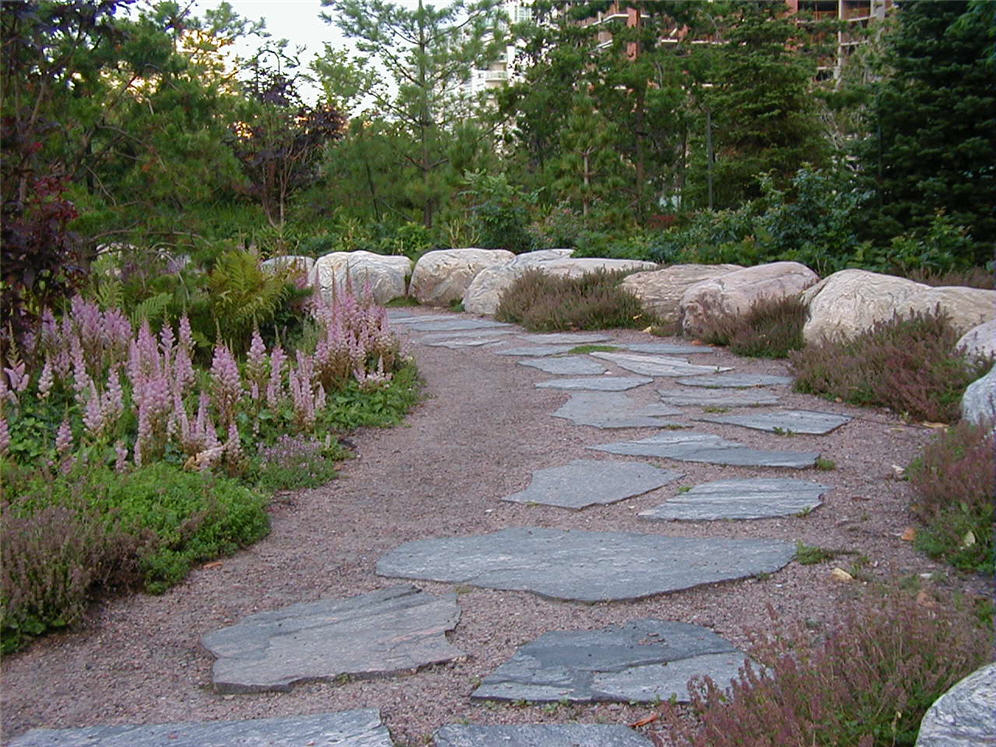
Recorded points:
(978, 403)
(386, 276)
(734, 293)
(484, 293)
(660, 290)
(443, 276)
(850, 302)
(964, 716)
(979, 341)
(575, 267)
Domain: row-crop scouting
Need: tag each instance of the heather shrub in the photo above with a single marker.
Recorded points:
(546, 303)
(908, 364)
(293, 463)
(954, 480)
(771, 328)
(866, 680)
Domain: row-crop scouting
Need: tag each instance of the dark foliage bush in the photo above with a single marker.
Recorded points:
(771, 328)
(867, 680)
(544, 303)
(70, 535)
(908, 364)
(955, 484)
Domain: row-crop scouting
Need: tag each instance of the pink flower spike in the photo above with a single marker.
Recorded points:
(64, 437)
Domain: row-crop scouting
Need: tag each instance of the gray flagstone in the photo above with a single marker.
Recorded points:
(708, 448)
(658, 365)
(596, 383)
(536, 350)
(666, 348)
(570, 365)
(642, 661)
(754, 498)
(538, 735)
(589, 482)
(702, 397)
(463, 342)
(584, 566)
(389, 630)
(736, 381)
(784, 421)
(565, 338)
(362, 728)
(451, 325)
(615, 410)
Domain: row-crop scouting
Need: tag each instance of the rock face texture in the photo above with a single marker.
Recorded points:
(639, 662)
(754, 498)
(484, 293)
(538, 735)
(443, 276)
(660, 291)
(688, 446)
(979, 341)
(978, 404)
(736, 292)
(785, 422)
(295, 263)
(658, 365)
(964, 716)
(389, 630)
(849, 302)
(361, 728)
(386, 276)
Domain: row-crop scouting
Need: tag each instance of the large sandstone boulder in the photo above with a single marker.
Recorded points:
(964, 715)
(734, 293)
(850, 302)
(660, 291)
(979, 341)
(384, 275)
(296, 264)
(484, 293)
(978, 403)
(443, 276)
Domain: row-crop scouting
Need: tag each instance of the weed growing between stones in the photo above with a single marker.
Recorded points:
(908, 364)
(771, 328)
(545, 303)
(955, 494)
(810, 555)
(866, 680)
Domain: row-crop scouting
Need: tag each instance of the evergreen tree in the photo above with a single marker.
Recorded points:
(932, 140)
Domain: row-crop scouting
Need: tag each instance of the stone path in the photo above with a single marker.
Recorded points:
(400, 629)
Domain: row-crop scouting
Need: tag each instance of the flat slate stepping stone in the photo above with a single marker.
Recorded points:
(361, 727)
(642, 661)
(786, 421)
(389, 630)
(463, 342)
(717, 397)
(455, 325)
(589, 482)
(467, 333)
(565, 338)
(615, 410)
(708, 448)
(400, 316)
(570, 365)
(756, 498)
(667, 348)
(658, 365)
(736, 381)
(537, 350)
(538, 735)
(584, 566)
(596, 383)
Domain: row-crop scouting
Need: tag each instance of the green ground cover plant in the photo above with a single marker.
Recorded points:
(953, 480)
(144, 461)
(866, 679)
(545, 303)
(770, 328)
(908, 364)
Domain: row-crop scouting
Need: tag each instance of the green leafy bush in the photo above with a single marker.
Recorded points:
(293, 463)
(867, 680)
(955, 495)
(771, 328)
(908, 364)
(500, 214)
(544, 303)
(69, 535)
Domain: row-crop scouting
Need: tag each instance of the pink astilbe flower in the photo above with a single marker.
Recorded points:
(155, 406)
(17, 377)
(143, 357)
(167, 342)
(233, 446)
(4, 435)
(46, 380)
(256, 365)
(226, 384)
(64, 437)
(93, 414)
(275, 387)
(183, 371)
(121, 457)
(112, 401)
(186, 335)
(301, 392)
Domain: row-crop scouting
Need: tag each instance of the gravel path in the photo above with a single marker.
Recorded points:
(482, 430)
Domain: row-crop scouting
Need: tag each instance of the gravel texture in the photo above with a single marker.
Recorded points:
(482, 430)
